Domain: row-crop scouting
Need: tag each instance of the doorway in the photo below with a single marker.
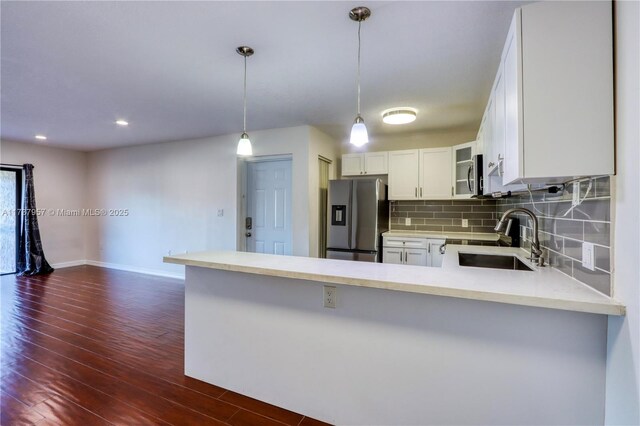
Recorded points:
(10, 202)
(268, 222)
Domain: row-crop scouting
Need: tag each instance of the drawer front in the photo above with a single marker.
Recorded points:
(404, 242)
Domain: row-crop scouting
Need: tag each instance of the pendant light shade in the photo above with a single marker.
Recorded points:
(244, 144)
(359, 134)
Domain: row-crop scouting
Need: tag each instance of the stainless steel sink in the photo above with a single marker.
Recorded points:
(494, 261)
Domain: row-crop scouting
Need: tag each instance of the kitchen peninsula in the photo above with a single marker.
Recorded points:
(404, 345)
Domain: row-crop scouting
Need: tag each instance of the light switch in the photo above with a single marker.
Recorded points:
(588, 256)
(407, 221)
(465, 223)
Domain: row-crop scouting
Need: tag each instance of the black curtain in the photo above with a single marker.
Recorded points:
(31, 259)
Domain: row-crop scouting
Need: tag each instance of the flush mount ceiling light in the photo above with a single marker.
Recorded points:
(244, 144)
(41, 137)
(400, 115)
(359, 135)
(122, 123)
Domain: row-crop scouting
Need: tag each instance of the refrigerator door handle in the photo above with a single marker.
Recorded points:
(353, 222)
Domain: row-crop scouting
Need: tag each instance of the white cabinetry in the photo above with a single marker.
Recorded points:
(412, 251)
(550, 114)
(435, 173)
(417, 174)
(435, 256)
(462, 161)
(368, 163)
(404, 174)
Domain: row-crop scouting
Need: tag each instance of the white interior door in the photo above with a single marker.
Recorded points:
(269, 207)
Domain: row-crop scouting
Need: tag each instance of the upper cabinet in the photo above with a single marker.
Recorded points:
(435, 173)
(368, 163)
(550, 113)
(420, 174)
(463, 179)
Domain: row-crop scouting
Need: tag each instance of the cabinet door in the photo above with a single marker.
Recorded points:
(513, 141)
(462, 162)
(375, 163)
(416, 257)
(435, 257)
(403, 174)
(352, 164)
(499, 122)
(435, 174)
(392, 255)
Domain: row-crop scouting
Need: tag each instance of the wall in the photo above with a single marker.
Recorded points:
(623, 352)
(413, 140)
(60, 183)
(174, 190)
(390, 357)
(562, 235)
(444, 215)
(319, 144)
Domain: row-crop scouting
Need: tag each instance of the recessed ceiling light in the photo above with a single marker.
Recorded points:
(122, 123)
(400, 115)
(41, 137)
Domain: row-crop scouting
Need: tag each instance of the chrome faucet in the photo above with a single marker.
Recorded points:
(536, 251)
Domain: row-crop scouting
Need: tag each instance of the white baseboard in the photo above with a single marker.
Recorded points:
(62, 265)
(129, 268)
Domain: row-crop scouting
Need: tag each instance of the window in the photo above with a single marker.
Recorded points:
(10, 201)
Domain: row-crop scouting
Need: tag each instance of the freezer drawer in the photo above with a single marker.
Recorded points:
(351, 255)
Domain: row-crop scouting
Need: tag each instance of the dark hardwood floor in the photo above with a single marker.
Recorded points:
(93, 346)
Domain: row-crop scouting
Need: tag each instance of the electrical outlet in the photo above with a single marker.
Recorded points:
(220, 212)
(576, 194)
(465, 223)
(329, 296)
(407, 221)
(588, 256)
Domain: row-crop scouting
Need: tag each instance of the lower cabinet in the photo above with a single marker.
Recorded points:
(435, 255)
(412, 251)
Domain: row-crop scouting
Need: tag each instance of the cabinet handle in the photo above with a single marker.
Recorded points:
(452, 191)
(420, 192)
(360, 172)
(491, 164)
(416, 192)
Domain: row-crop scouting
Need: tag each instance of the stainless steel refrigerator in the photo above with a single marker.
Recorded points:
(358, 214)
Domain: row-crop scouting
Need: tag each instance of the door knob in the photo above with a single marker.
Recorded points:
(248, 234)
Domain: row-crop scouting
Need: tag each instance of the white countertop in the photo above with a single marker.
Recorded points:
(443, 235)
(544, 287)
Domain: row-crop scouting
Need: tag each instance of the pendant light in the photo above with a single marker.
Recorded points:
(244, 144)
(359, 135)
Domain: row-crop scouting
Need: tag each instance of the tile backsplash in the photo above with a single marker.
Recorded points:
(444, 215)
(562, 231)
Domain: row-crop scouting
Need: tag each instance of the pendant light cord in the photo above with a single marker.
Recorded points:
(244, 124)
(359, 26)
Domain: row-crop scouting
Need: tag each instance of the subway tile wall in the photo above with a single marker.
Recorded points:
(444, 215)
(561, 233)
(562, 230)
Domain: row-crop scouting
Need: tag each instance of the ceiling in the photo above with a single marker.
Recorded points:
(70, 69)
